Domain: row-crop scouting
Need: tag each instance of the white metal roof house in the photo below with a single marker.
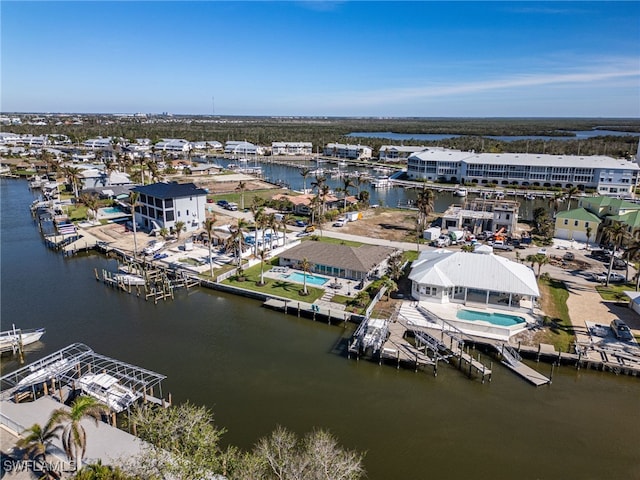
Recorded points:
(96, 143)
(163, 204)
(172, 145)
(398, 153)
(235, 147)
(98, 177)
(443, 276)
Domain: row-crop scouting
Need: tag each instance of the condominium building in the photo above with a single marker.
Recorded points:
(605, 175)
(291, 148)
(340, 150)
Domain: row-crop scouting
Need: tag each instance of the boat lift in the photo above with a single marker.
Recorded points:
(61, 373)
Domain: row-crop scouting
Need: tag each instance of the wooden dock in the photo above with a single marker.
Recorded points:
(528, 373)
(307, 309)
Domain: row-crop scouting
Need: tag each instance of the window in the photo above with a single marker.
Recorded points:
(586, 224)
(575, 223)
(566, 221)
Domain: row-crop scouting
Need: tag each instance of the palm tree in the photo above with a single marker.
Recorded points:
(73, 177)
(234, 241)
(241, 188)
(324, 193)
(74, 436)
(36, 440)
(554, 202)
(588, 231)
(424, 202)
(347, 183)
(305, 266)
(391, 287)
(286, 218)
(178, 227)
(262, 255)
(614, 233)
(305, 173)
(208, 227)
(540, 259)
(633, 254)
(258, 220)
(133, 201)
(571, 192)
(91, 202)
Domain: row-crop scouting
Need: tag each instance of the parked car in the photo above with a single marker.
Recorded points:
(599, 277)
(621, 330)
(542, 251)
(500, 245)
(616, 277)
(222, 203)
(301, 223)
(569, 257)
(518, 244)
(340, 222)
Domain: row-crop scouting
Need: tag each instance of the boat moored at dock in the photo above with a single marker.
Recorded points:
(12, 340)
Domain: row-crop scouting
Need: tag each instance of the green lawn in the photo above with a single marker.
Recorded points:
(560, 332)
(614, 292)
(277, 287)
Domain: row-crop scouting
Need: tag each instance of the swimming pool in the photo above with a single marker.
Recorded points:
(311, 279)
(501, 319)
(111, 211)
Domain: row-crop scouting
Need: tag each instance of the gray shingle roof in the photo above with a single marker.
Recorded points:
(360, 259)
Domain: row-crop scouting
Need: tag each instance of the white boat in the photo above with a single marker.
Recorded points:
(381, 182)
(108, 390)
(10, 339)
(42, 373)
(129, 279)
(153, 247)
(460, 192)
(529, 196)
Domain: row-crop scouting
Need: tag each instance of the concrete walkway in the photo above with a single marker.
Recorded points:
(104, 442)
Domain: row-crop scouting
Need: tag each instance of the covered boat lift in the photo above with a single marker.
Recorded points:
(74, 369)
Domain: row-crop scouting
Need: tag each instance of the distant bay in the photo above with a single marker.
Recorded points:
(434, 137)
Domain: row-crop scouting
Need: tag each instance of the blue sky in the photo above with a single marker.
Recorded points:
(352, 58)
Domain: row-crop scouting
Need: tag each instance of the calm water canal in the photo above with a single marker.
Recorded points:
(257, 369)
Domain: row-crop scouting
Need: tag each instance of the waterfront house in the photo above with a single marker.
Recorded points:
(161, 205)
(443, 276)
(235, 147)
(172, 145)
(606, 175)
(97, 143)
(342, 261)
(302, 203)
(573, 224)
(605, 206)
(398, 153)
(482, 215)
(96, 177)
